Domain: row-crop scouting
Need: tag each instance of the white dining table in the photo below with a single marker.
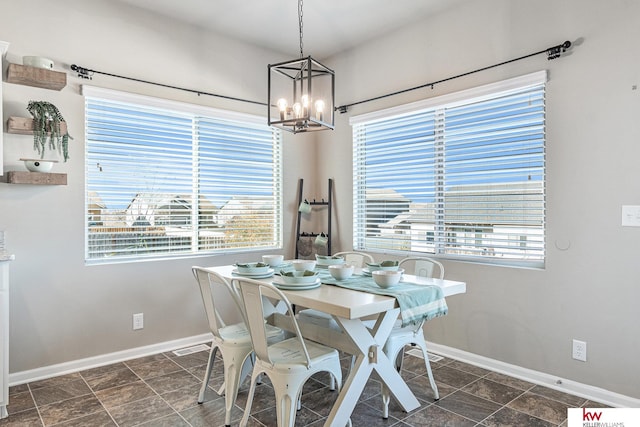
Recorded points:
(349, 308)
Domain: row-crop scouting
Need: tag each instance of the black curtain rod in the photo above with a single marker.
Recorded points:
(552, 53)
(87, 73)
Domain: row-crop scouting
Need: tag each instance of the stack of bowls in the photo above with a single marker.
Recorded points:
(299, 277)
(252, 268)
(384, 265)
(326, 260)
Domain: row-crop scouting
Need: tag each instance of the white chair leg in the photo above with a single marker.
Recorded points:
(247, 408)
(207, 374)
(432, 381)
(232, 375)
(332, 380)
(386, 398)
(400, 359)
(286, 406)
(386, 394)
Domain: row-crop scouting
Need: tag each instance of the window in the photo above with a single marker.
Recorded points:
(460, 176)
(168, 179)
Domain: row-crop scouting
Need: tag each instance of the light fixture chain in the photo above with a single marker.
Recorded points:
(300, 26)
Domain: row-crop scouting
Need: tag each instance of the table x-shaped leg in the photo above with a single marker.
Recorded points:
(369, 357)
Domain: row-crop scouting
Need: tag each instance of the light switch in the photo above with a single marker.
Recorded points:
(630, 216)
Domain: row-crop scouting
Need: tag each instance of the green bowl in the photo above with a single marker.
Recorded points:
(298, 277)
(253, 268)
(329, 260)
(384, 265)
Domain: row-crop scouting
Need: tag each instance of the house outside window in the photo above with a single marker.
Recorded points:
(460, 176)
(167, 179)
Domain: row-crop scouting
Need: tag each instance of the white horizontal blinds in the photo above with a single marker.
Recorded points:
(494, 174)
(239, 172)
(162, 182)
(395, 179)
(462, 179)
(139, 175)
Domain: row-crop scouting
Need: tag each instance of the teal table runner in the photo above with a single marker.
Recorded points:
(417, 302)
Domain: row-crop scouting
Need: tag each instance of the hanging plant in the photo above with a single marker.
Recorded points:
(46, 128)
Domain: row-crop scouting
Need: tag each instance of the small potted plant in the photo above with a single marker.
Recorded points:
(46, 128)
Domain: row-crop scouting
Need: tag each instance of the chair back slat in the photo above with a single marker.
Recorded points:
(357, 259)
(424, 266)
(252, 299)
(217, 294)
(253, 292)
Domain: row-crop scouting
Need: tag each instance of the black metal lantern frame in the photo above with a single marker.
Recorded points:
(301, 95)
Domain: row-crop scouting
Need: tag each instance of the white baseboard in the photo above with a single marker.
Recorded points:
(595, 394)
(17, 378)
(583, 390)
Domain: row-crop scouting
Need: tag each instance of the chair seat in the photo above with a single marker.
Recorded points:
(288, 354)
(238, 333)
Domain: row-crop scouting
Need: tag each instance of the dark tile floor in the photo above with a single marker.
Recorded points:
(161, 390)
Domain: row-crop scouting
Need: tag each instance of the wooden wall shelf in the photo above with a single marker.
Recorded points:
(24, 126)
(36, 77)
(38, 178)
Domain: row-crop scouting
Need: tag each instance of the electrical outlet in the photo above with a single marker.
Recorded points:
(138, 321)
(580, 350)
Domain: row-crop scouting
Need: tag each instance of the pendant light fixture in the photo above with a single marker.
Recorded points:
(301, 93)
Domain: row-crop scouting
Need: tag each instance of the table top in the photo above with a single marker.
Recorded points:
(348, 303)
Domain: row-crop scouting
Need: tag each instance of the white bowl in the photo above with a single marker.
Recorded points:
(329, 260)
(303, 264)
(38, 165)
(299, 277)
(386, 278)
(273, 260)
(341, 271)
(252, 268)
(38, 62)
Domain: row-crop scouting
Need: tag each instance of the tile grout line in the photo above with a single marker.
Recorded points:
(154, 390)
(98, 399)
(35, 404)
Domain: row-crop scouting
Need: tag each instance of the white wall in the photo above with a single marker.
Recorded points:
(62, 310)
(589, 291)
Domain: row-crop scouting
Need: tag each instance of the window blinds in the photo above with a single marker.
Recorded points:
(461, 179)
(168, 180)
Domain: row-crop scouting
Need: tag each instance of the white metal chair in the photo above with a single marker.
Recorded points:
(423, 266)
(288, 363)
(222, 307)
(357, 259)
(411, 334)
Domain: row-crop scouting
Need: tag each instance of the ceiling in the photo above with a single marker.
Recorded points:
(329, 26)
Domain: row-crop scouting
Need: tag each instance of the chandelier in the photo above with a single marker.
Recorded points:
(301, 93)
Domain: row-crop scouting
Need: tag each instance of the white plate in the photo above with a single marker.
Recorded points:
(279, 283)
(269, 273)
(283, 265)
(298, 287)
